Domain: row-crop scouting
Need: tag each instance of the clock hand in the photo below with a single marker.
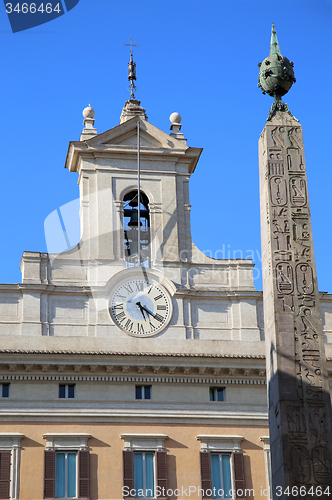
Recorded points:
(156, 316)
(141, 309)
(149, 312)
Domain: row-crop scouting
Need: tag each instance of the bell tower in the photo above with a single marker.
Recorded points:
(133, 182)
(136, 265)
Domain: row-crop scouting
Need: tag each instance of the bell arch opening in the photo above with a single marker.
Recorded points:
(136, 225)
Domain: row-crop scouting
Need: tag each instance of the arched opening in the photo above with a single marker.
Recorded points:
(135, 229)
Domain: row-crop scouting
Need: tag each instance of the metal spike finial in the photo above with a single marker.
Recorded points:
(274, 46)
(276, 76)
(131, 68)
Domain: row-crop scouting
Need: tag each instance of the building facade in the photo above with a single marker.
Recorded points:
(128, 373)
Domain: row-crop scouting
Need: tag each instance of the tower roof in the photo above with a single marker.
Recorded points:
(132, 108)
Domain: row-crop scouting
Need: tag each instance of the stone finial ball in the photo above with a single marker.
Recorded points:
(175, 118)
(88, 112)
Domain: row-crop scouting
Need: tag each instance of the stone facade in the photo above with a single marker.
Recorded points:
(56, 330)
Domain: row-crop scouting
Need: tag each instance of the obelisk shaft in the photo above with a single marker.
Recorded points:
(299, 401)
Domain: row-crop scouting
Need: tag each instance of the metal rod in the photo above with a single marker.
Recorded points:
(138, 195)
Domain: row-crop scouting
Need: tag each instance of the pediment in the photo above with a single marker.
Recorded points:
(125, 135)
(130, 139)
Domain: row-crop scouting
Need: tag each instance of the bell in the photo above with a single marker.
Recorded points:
(134, 219)
(134, 202)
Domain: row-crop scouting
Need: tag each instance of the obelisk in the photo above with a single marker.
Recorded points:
(299, 401)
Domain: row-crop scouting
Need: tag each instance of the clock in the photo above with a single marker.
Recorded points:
(140, 307)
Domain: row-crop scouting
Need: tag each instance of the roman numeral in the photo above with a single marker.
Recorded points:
(129, 324)
(139, 286)
(140, 328)
(159, 318)
(150, 289)
(119, 306)
(128, 288)
(119, 295)
(161, 308)
(158, 297)
(120, 316)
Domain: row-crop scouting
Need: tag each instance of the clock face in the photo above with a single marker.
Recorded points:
(141, 308)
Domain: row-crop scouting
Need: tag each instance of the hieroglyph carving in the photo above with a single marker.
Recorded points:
(306, 421)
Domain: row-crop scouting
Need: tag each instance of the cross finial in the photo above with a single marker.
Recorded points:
(131, 44)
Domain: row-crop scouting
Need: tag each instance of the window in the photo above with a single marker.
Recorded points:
(217, 394)
(143, 391)
(5, 457)
(67, 471)
(67, 391)
(135, 229)
(5, 390)
(144, 474)
(144, 466)
(65, 475)
(221, 475)
(9, 464)
(222, 467)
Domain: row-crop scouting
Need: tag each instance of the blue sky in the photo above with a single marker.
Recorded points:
(197, 58)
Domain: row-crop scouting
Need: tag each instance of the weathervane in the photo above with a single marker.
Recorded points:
(131, 68)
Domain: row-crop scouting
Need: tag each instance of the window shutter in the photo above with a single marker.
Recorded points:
(162, 473)
(206, 474)
(238, 475)
(83, 474)
(128, 471)
(49, 476)
(5, 457)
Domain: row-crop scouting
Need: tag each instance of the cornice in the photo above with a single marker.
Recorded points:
(126, 353)
(135, 366)
(133, 378)
(86, 289)
(45, 288)
(219, 292)
(133, 415)
(57, 440)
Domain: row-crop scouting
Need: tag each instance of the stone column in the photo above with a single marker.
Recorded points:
(156, 233)
(299, 400)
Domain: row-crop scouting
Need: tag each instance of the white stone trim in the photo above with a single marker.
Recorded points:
(267, 458)
(266, 442)
(11, 441)
(132, 378)
(143, 413)
(145, 442)
(221, 443)
(66, 441)
(134, 272)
